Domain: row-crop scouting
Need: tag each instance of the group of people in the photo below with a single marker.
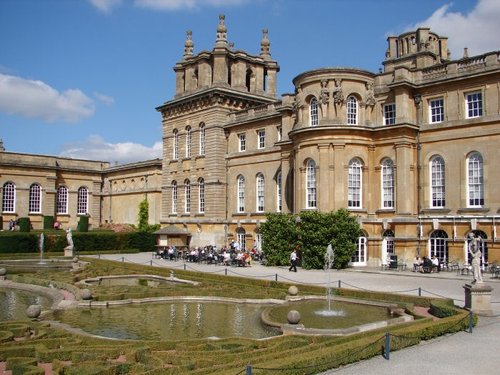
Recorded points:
(228, 256)
(426, 265)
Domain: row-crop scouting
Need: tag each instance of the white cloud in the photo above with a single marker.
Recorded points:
(107, 100)
(36, 99)
(95, 148)
(185, 4)
(478, 30)
(105, 6)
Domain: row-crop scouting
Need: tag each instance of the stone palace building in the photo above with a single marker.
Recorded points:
(410, 151)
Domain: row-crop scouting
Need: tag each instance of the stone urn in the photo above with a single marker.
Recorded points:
(33, 311)
(3, 272)
(293, 291)
(293, 317)
(86, 294)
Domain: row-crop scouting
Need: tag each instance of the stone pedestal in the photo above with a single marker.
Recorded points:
(68, 251)
(478, 298)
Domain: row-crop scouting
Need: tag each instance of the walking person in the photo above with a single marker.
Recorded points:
(293, 261)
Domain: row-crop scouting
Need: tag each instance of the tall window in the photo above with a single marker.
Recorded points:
(202, 139)
(62, 200)
(354, 184)
(279, 198)
(189, 139)
(437, 182)
(83, 201)
(260, 193)
(262, 138)
(35, 199)
(352, 110)
(475, 185)
(474, 103)
(280, 133)
(311, 184)
(241, 237)
(9, 197)
(313, 112)
(243, 142)
(174, 197)
(436, 110)
(201, 195)
(389, 241)
(390, 114)
(187, 196)
(439, 245)
(241, 194)
(175, 145)
(387, 184)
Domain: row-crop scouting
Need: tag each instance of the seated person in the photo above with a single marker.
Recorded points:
(226, 258)
(417, 264)
(171, 253)
(436, 266)
(240, 259)
(427, 265)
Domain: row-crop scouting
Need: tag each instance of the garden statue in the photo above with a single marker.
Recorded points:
(475, 252)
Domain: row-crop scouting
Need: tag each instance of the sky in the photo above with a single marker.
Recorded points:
(82, 78)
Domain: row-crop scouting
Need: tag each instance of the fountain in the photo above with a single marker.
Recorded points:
(41, 247)
(329, 260)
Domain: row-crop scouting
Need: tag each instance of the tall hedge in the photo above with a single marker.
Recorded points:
(310, 233)
(19, 242)
(24, 224)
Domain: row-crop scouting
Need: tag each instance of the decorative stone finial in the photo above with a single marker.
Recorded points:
(221, 40)
(188, 44)
(2, 148)
(265, 44)
(466, 53)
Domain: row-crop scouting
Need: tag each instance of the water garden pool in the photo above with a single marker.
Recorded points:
(13, 303)
(178, 320)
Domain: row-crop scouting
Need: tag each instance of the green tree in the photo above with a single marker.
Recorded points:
(280, 236)
(143, 216)
(311, 233)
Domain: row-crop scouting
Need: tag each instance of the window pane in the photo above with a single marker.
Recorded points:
(62, 200)
(82, 205)
(311, 184)
(436, 110)
(390, 114)
(474, 104)
(8, 197)
(437, 182)
(352, 111)
(314, 112)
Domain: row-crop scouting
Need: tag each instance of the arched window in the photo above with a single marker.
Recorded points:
(35, 199)
(202, 138)
(354, 187)
(241, 194)
(9, 197)
(83, 201)
(437, 182)
(62, 200)
(260, 192)
(475, 187)
(313, 112)
(201, 195)
(189, 139)
(187, 196)
(174, 197)
(175, 145)
(387, 183)
(439, 245)
(352, 110)
(311, 184)
(279, 198)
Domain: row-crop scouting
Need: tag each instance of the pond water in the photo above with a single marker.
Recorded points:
(13, 303)
(170, 321)
(343, 314)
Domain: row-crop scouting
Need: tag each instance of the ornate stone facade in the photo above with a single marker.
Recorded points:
(410, 150)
